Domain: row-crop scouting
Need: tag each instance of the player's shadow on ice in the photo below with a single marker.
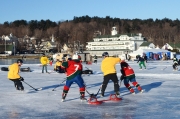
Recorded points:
(146, 88)
(150, 86)
(124, 91)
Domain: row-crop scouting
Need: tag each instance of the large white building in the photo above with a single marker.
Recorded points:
(114, 44)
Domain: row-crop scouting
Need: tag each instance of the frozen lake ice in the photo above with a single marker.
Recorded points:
(159, 101)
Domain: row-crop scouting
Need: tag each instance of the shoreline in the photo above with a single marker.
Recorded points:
(20, 57)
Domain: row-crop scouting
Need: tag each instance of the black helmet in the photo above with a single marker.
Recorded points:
(19, 61)
(105, 54)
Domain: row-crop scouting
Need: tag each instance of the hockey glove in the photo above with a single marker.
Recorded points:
(21, 79)
(122, 77)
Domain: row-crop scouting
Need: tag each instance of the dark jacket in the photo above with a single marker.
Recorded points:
(140, 59)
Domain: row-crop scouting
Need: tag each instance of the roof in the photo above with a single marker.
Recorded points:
(69, 45)
(145, 44)
(174, 45)
(53, 43)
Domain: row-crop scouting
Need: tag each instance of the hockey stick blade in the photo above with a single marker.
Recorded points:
(39, 89)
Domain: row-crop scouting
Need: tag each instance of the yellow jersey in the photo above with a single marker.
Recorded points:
(13, 71)
(58, 63)
(44, 60)
(108, 65)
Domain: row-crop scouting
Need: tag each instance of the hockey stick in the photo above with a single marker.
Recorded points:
(164, 68)
(92, 94)
(58, 85)
(30, 86)
(87, 68)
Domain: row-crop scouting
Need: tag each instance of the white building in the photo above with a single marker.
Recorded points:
(147, 45)
(170, 46)
(114, 44)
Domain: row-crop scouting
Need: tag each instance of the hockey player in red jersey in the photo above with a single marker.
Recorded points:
(129, 75)
(74, 71)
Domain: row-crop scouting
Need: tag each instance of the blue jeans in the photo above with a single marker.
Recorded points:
(78, 79)
(126, 80)
(44, 67)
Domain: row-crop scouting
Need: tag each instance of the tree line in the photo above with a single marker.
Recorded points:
(158, 31)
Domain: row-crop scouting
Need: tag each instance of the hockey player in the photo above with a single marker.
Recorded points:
(109, 72)
(74, 70)
(14, 76)
(95, 59)
(129, 75)
(141, 62)
(175, 63)
(44, 61)
(58, 68)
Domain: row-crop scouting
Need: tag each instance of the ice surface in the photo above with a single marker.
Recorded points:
(160, 100)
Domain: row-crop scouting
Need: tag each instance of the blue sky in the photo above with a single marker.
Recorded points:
(58, 10)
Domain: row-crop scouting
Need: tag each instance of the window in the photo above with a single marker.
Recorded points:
(126, 43)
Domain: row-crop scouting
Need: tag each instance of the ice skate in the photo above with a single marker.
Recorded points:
(102, 94)
(62, 100)
(63, 97)
(141, 91)
(133, 93)
(83, 99)
(118, 94)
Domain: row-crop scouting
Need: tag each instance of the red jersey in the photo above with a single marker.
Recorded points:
(73, 68)
(126, 70)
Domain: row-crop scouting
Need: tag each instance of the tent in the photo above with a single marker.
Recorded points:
(152, 53)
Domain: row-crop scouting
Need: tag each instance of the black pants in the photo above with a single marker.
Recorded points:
(60, 70)
(112, 77)
(17, 83)
(95, 61)
(175, 66)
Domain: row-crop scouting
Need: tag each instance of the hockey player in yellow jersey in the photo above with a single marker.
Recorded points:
(108, 68)
(14, 76)
(44, 61)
